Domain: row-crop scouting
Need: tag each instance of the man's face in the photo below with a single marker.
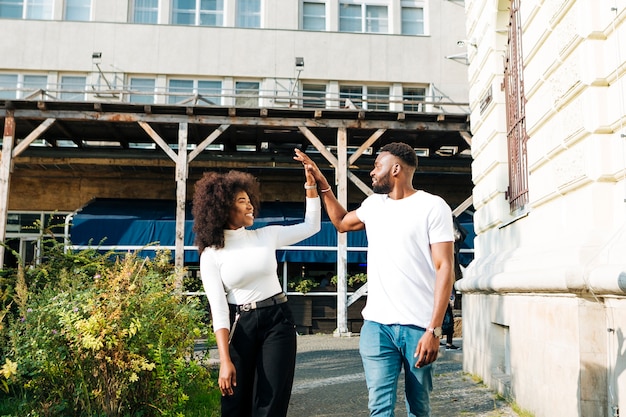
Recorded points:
(381, 174)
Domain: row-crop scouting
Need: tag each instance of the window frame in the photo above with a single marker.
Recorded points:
(365, 22)
(72, 95)
(145, 11)
(324, 17)
(28, 9)
(80, 7)
(242, 20)
(405, 5)
(196, 89)
(141, 98)
(199, 13)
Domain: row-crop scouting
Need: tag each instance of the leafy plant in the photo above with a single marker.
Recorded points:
(304, 285)
(355, 280)
(92, 334)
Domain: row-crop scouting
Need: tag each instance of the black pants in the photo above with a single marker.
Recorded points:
(263, 350)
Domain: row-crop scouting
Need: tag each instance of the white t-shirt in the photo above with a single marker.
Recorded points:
(244, 270)
(400, 271)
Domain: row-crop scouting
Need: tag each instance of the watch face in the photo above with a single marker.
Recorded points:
(437, 331)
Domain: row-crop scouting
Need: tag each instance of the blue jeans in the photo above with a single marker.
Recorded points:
(385, 350)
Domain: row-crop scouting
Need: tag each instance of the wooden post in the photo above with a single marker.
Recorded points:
(341, 172)
(5, 176)
(181, 194)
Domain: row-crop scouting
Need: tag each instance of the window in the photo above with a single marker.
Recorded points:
(8, 85)
(249, 13)
(195, 92)
(353, 95)
(79, 10)
(517, 137)
(412, 21)
(314, 96)
(198, 12)
(363, 18)
(142, 90)
(32, 84)
(377, 98)
(413, 98)
(145, 11)
(26, 9)
(313, 16)
(247, 94)
(73, 88)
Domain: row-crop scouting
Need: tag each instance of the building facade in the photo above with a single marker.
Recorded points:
(544, 312)
(135, 99)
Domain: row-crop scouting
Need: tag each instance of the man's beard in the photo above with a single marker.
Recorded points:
(382, 186)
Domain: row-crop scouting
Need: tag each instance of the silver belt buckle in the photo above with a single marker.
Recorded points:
(246, 307)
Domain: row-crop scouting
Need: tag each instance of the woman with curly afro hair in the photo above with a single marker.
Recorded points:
(253, 324)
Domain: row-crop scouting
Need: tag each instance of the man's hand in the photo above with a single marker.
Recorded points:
(427, 350)
(312, 168)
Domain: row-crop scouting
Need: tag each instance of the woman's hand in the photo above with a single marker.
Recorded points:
(227, 378)
(310, 168)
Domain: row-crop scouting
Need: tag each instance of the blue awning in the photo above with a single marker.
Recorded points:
(132, 224)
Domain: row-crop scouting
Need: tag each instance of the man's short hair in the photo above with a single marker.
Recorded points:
(402, 151)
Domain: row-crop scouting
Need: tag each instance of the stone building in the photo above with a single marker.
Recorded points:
(544, 312)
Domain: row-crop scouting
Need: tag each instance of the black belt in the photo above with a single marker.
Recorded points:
(268, 302)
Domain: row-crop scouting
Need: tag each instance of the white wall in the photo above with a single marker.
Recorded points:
(550, 279)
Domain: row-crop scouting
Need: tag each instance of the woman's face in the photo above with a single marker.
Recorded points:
(241, 212)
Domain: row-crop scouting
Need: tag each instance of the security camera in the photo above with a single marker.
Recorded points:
(463, 42)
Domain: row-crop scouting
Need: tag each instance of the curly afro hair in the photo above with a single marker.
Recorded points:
(402, 151)
(214, 195)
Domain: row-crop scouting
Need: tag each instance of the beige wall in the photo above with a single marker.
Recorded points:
(545, 294)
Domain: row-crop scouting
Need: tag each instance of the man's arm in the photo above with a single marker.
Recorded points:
(443, 261)
(343, 220)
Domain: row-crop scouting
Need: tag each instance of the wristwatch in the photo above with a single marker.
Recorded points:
(435, 331)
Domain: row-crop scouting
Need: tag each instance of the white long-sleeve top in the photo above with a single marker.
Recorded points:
(244, 270)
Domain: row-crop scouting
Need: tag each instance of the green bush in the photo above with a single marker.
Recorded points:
(89, 334)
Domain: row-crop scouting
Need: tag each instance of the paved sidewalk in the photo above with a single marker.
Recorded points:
(329, 381)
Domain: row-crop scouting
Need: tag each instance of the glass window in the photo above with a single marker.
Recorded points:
(314, 95)
(313, 16)
(8, 85)
(210, 92)
(185, 92)
(412, 21)
(376, 19)
(33, 83)
(142, 90)
(247, 94)
(12, 8)
(73, 88)
(211, 13)
(180, 90)
(146, 11)
(79, 10)
(378, 98)
(350, 18)
(363, 18)
(198, 12)
(413, 98)
(249, 13)
(353, 94)
(39, 9)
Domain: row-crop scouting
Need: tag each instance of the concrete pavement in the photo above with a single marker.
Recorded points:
(329, 381)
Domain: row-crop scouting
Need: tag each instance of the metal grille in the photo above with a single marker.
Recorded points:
(517, 192)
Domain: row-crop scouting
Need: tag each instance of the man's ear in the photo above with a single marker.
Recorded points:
(396, 169)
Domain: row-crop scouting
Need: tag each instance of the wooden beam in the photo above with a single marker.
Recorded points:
(159, 141)
(5, 176)
(375, 136)
(342, 238)
(206, 142)
(25, 143)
